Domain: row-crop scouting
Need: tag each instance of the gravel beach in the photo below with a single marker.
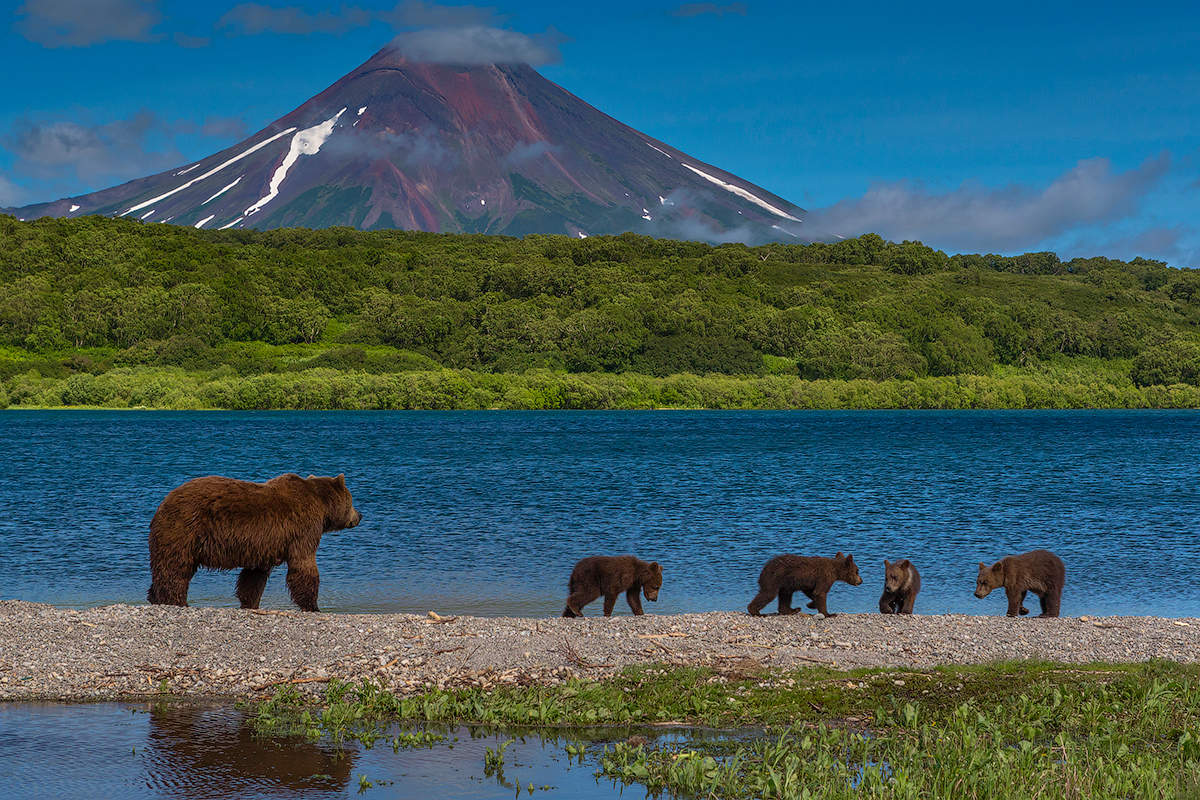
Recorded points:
(115, 652)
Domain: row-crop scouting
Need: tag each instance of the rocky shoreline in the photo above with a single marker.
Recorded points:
(121, 651)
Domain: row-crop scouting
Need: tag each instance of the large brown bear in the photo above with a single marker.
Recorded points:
(901, 582)
(610, 576)
(787, 574)
(221, 523)
(1038, 571)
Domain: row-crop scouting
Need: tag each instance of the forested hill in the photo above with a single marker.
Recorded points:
(96, 302)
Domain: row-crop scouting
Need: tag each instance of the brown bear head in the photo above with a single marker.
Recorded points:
(652, 580)
(847, 570)
(989, 578)
(896, 576)
(340, 512)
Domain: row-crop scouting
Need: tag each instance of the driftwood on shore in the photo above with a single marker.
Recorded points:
(134, 651)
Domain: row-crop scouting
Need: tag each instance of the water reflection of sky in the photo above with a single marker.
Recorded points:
(485, 512)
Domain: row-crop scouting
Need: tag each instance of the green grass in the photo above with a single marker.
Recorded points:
(1012, 730)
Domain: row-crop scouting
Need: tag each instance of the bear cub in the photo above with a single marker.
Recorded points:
(787, 574)
(901, 582)
(1038, 571)
(222, 523)
(610, 576)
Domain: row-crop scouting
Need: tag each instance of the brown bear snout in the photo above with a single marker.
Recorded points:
(357, 518)
(651, 594)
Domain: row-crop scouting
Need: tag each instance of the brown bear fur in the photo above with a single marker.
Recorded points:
(901, 582)
(1038, 571)
(610, 576)
(787, 574)
(222, 523)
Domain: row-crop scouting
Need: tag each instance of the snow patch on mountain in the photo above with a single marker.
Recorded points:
(211, 172)
(230, 224)
(742, 193)
(72, 209)
(664, 152)
(147, 214)
(223, 191)
(204, 221)
(307, 143)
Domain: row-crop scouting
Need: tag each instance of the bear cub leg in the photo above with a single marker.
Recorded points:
(577, 601)
(250, 585)
(759, 602)
(635, 602)
(1050, 603)
(1016, 602)
(785, 602)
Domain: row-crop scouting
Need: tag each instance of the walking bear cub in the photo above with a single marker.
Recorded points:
(901, 582)
(787, 574)
(222, 523)
(1038, 571)
(609, 576)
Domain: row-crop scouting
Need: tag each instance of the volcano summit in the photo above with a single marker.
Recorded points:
(448, 148)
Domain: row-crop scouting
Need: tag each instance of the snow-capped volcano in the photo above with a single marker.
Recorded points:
(436, 147)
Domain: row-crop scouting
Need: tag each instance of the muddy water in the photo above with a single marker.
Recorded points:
(123, 751)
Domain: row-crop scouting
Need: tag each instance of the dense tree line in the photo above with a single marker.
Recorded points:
(93, 294)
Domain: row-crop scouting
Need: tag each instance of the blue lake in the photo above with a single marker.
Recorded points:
(486, 512)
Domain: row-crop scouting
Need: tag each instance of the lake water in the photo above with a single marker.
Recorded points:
(486, 512)
(140, 751)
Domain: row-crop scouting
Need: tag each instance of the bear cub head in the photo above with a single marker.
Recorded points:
(340, 512)
(896, 576)
(652, 580)
(847, 570)
(989, 578)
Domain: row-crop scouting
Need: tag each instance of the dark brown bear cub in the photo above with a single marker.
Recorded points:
(1038, 571)
(901, 582)
(221, 523)
(609, 576)
(785, 575)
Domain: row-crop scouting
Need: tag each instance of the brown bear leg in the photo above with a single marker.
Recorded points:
(302, 582)
(1016, 600)
(886, 604)
(819, 601)
(169, 590)
(759, 602)
(785, 603)
(250, 585)
(610, 602)
(577, 601)
(1050, 602)
(635, 602)
(906, 607)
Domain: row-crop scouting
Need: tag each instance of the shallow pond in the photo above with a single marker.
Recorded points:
(136, 751)
(485, 512)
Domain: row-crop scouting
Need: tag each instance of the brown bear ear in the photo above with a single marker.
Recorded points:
(886, 564)
(982, 566)
(903, 564)
(839, 555)
(657, 567)
(341, 479)
(310, 477)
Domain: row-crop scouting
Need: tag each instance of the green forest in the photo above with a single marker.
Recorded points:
(117, 313)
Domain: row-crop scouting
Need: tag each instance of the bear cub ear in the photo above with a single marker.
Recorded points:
(657, 567)
(839, 554)
(982, 566)
(886, 564)
(310, 477)
(903, 564)
(341, 479)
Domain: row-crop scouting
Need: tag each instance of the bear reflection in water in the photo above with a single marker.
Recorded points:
(198, 752)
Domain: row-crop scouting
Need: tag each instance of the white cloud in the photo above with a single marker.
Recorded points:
(477, 44)
(78, 23)
(978, 218)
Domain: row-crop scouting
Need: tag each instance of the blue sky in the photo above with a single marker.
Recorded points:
(1011, 127)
